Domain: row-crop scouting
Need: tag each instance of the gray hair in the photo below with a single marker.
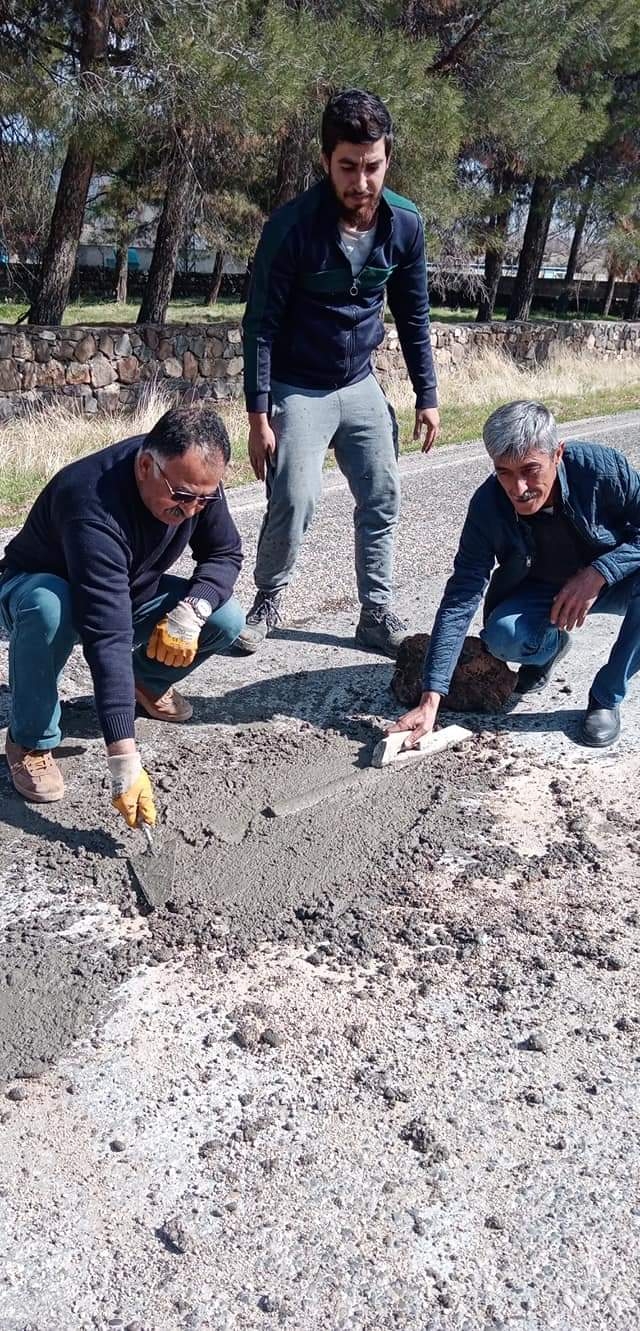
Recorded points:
(515, 430)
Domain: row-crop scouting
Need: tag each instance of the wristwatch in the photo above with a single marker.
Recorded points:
(200, 607)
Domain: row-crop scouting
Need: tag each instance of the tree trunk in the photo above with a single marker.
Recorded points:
(216, 279)
(574, 252)
(60, 253)
(122, 271)
(543, 197)
(170, 231)
(609, 294)
(632, 307)
(493, 266)
(293, 160)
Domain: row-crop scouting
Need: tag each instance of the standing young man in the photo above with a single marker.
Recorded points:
(313, 319)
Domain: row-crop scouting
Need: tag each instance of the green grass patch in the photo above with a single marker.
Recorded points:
(91, 311)
(18, 489)
(461, 424)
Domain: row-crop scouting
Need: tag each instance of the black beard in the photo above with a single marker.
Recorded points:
(361, 218)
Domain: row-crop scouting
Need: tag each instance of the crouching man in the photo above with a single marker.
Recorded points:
(562, 520)
(90, 564)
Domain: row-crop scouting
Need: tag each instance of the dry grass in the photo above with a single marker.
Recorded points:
(37, 444)
(490, 377)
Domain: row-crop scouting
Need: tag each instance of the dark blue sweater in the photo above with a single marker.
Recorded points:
(90, 527)
(309, 322)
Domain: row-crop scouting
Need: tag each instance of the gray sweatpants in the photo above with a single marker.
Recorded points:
(359, 424)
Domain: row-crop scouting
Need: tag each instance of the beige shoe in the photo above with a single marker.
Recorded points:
(35, 773)
(170, 706)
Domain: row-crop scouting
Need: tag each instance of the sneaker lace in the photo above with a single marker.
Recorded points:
(266, 608)
(37, 760)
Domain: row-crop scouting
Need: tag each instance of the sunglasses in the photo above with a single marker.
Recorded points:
(187, 496)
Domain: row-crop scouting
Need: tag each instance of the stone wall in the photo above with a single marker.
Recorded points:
(105, 368)
(524, 342)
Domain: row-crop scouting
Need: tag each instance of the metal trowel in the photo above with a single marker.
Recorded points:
(155, 869)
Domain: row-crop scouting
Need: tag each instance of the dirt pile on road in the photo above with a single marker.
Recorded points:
(480, 682)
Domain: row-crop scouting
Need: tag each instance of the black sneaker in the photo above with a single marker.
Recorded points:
(380, 631)
(532, 678)
(601, 725)
(263, 616)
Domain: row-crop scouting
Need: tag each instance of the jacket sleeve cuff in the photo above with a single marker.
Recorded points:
(118, 725)
(433, 685)
(603, 567)
(199, 588)
(257, 401)
(428, 398)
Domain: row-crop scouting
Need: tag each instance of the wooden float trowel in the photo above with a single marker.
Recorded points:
(155, 869)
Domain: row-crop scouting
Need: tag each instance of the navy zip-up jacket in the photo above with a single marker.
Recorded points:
(90, 527)
(599, 494)
(311, 323)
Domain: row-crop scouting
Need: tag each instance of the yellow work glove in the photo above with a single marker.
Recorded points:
(174, 641)
(131, 789)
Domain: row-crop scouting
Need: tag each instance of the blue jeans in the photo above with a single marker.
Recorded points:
(35, 611)
(359, 424)
(520, 630)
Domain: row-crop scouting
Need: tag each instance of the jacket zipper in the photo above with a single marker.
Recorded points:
(528, 542)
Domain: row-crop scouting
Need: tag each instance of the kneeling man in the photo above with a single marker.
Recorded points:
(562, 521)
(90, 564)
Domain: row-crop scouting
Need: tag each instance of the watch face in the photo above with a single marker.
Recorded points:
(201, 607)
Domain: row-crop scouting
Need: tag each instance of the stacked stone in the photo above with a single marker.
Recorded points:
(107, 367)
(524, 342)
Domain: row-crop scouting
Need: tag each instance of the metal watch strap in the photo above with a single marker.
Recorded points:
(200, 606)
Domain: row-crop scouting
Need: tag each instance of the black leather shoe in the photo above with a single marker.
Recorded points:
(601, 725)
(532, 678)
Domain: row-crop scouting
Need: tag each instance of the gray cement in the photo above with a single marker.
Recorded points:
(422, 987)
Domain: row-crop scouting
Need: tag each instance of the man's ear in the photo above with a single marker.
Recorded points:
(145, 464)
(325, 163)
(559, 451)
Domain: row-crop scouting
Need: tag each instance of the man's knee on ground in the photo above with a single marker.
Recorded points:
(48, 610)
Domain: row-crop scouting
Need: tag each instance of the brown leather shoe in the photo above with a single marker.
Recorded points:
(170, 706)
(35, 773)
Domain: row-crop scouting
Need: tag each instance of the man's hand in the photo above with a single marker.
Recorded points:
(420, 720)
(428, 419)
(574, 601)
(131, 790)
(262, 442)
(174, 640)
